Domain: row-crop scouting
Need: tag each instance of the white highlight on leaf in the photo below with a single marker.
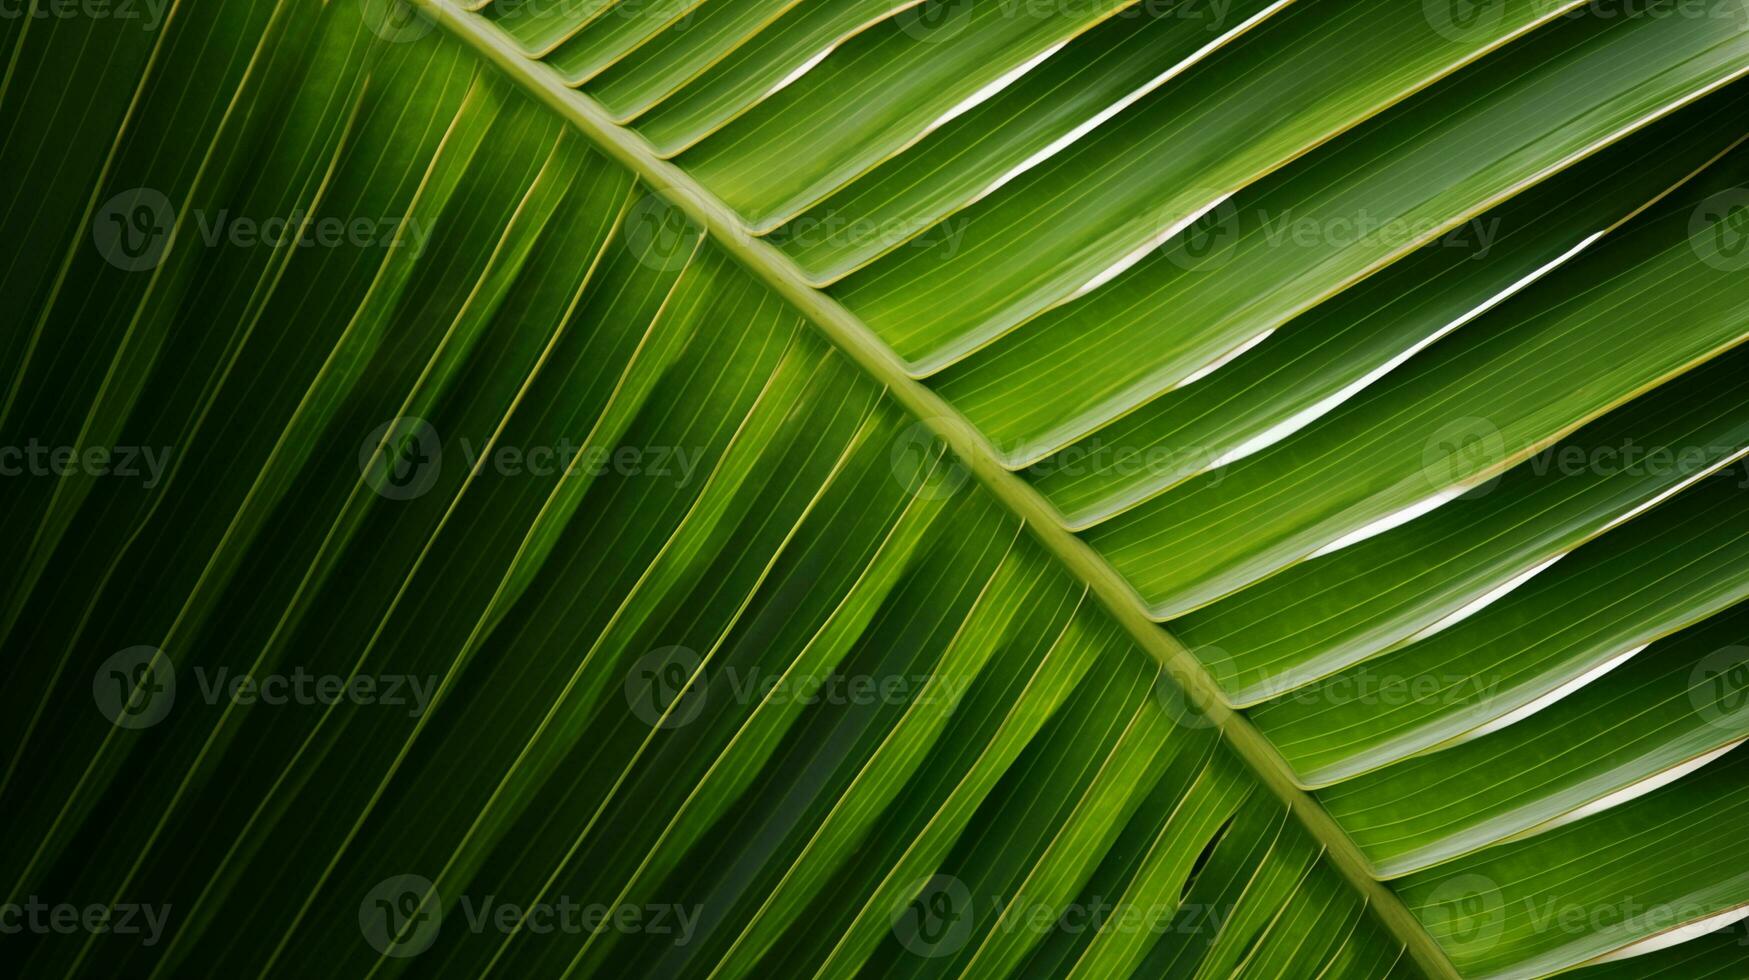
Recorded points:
(1317, 410)
(1389, 521)
(1525, 711)
(984, 94)
(1136, 255)
(1057, 145)
(1410, 513)
(1680, 486)
(1636, 790)
(1483, 601)
(800, 70)
(1416, 510)
(1224, 360)
(1681, 934)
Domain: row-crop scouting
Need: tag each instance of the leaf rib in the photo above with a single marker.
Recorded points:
(849, 334)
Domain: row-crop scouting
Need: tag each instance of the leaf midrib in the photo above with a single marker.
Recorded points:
(848, 333)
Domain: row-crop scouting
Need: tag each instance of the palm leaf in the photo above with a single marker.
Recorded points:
(746, 488)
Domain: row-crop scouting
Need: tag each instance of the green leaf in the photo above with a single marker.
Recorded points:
(749, 488)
